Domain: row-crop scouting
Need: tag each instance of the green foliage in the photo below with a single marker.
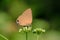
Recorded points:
(40, 23)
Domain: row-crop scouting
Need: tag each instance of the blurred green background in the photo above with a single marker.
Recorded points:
(45, 14)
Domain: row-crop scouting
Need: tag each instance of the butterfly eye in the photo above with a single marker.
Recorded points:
(17, 21)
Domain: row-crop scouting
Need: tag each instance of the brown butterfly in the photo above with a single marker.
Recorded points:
(26, 18)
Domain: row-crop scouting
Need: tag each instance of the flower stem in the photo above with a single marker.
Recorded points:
(3, 37)
(26, 36)
(37, 37)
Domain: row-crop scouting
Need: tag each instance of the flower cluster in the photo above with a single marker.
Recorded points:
(28, 29)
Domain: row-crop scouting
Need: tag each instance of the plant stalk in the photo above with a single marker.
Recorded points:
(3, 37)
(26, 36)
(37, 37)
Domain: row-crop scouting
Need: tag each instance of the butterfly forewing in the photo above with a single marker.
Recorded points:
(26, 18)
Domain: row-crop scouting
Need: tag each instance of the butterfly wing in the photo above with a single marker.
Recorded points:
(25, 18)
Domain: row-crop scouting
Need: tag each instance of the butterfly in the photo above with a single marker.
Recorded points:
(25, 18)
